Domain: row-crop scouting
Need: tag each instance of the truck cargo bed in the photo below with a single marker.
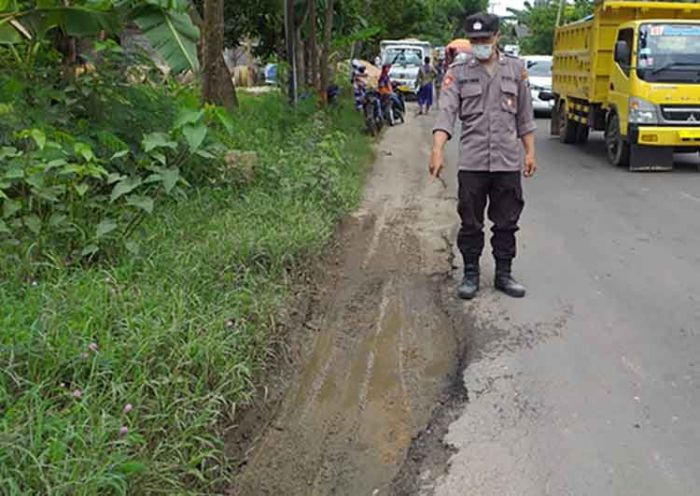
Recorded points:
(583, 50)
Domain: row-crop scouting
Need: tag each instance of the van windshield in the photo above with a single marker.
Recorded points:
(539, 68)
(402, 56)
(669, 53)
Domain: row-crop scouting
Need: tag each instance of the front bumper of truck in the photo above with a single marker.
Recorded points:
(677, 137)
(652, 147)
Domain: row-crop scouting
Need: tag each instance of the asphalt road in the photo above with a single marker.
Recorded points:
(591, 384)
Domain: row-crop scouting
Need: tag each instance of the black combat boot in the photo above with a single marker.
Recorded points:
(505, 282)
(470, 284)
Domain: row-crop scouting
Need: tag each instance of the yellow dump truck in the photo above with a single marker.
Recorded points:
(632, 70)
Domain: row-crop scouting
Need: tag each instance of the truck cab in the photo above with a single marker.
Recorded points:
(655, 88)
(405, 58)
(631, 70)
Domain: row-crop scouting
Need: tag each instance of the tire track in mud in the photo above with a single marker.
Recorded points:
(384, 348)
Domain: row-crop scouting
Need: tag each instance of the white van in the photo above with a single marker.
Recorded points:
(405, 57)
(539, 68)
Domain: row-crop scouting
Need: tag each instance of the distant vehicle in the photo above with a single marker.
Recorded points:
(539, 68)
(633, 71)
(271, 74)
(439, 53)
(405, 58)
(512, 50)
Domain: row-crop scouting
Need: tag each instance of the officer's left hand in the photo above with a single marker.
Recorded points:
(530, 166)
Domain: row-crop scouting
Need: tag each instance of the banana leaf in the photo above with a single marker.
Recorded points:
(74, 21)
(169, 30)
(172, 34)
(9, 35)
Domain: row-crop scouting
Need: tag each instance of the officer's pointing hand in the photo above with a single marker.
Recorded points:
(530, 165)
(437, 162)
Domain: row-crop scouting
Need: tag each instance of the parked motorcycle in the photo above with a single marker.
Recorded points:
(372, 109)
(332, 94)
(397, 108)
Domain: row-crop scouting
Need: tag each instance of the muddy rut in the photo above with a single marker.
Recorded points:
(382, 348)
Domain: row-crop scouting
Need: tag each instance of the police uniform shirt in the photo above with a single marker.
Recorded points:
(495, 112)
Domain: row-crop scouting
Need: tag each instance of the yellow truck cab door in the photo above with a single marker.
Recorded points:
(619, 91)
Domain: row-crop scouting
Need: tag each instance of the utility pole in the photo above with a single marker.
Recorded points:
(561, 8)
(291, 56)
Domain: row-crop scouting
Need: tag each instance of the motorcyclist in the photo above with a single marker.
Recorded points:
(384, 84)
(386, 90)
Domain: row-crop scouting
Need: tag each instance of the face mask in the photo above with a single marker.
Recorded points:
(482, 51)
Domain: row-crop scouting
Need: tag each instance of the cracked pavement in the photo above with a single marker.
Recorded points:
(591, 384)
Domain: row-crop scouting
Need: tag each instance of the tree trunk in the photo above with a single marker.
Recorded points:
(307, 66)
(313, 47)
(217, 85)
(289, 33)
(67, 46)
(300, 52)
(326, 52)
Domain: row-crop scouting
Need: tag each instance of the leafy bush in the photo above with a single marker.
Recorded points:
(122, 379)
(82, 163)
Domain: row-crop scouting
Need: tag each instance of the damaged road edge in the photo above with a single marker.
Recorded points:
(428, 456)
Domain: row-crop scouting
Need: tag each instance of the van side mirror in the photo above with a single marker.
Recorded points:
(623, 54)
(546, 96)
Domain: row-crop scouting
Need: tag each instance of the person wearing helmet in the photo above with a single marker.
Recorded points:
(359, 83)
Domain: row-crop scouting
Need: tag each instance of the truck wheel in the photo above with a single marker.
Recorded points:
(370, 122)
(554, 122)
(618, 149)
(568, 129)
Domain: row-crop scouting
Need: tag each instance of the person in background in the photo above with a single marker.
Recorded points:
(386, 89)
(439, 75)
(426, 76)
(384, 83)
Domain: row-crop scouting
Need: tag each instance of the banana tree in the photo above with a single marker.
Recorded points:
(165, 23)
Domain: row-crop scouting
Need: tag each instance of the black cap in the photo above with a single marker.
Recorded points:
(482, 25)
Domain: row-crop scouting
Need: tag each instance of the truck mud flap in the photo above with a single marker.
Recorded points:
(651, 158)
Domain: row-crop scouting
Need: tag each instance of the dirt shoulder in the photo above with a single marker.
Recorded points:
(378, 348)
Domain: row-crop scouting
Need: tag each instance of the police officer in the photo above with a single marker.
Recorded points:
(489, 93)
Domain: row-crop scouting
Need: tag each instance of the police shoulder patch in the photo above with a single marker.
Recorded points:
(449, 79)
(524, 74)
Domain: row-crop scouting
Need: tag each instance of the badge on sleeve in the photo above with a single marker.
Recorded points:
(448, 80)
(524, 75)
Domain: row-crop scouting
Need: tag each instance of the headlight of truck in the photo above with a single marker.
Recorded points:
(642, 112)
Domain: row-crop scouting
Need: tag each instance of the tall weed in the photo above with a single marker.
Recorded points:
(122, 378)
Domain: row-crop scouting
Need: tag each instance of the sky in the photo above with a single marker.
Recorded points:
(499, 6)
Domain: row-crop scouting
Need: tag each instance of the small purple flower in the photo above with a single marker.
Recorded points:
(128, 407)
(93, 347)
(123, 430)
(77, 394)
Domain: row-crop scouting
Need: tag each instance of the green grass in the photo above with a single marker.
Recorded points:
(181, 328)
